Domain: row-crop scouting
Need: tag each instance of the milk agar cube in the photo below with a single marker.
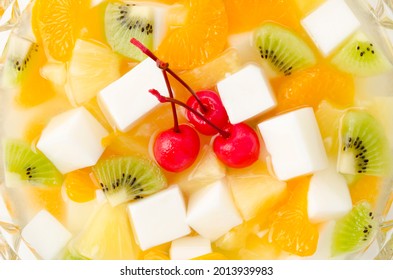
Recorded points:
(330, 24)
(246, 94)
(46, 235)
(189, 247)
(72, 140)
(127, 99)
(294, 143)
(159, 218)
(211, 211)
(328, 196)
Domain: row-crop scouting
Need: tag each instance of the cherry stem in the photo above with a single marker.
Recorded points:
(164, 99)
(175, 119)
(165, 67)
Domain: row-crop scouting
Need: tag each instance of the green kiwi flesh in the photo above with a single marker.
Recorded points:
(125, 21)
(285, 51)
(361, 57)
(25, 164)
(354, 231)
(128, 178)
(363, 147)
(19, 54)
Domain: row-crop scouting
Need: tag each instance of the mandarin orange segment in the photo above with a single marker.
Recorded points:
(245, 15)
(57, 24)
(310, 86)
(79, 185)
(366, 188)
(48, 198)
(291, 229)
(200, 38)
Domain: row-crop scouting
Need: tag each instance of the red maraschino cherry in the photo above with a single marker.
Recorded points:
(240, 149)
(236, 145)
(213, 110)
(176, 150)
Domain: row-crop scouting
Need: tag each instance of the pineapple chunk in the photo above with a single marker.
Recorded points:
(254, 194)
(207, 170)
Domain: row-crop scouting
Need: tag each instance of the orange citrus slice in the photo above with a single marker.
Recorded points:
(200, 37)
(79, 185)
(245, 15)
(57, 24)
(291, 229)
(310, 86)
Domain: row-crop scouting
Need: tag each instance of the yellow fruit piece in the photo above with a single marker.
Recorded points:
(291, 229)
(256, 194)
(200, 38)
(306, 6)
(259, 249)
(79, 186)
(92, 67)
(108, 236)
(328, 118)
(208, 75)
(160, 253)
(366, 188)
(57, 24)
(212, 256)
(236, 238)
(245, 15)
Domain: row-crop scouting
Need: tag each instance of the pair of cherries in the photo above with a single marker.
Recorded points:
(176, 149)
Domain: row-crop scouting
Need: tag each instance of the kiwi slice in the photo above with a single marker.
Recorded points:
(20, 55)
(360, 56)
(355, 230)
(363, 147)
(125, 21)
(285, 51)
(25, 164)
(128, 178)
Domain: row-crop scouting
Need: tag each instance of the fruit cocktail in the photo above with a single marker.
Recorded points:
(195, 129)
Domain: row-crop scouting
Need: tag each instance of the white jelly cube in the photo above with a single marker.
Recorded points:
(72, 140)
(211, 211)
(128, 98)
(328, 196)
(189, 247)
(294, 143)
(330, 25)
(159, 218)
(246, 94)
(46, 235)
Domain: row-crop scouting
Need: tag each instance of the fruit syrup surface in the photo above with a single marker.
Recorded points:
(18, 122)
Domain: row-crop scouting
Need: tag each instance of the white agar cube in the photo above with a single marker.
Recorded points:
(159, 218)
(46, 235)
(211, 211)
(127, 99)
(294, 143)
(330, 24)
(246, 94)
(328, 196)
(189, 247)
(72, 140)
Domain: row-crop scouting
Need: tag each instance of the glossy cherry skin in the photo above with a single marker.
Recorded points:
(240, 149)
(176, 151)
(214, 112)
